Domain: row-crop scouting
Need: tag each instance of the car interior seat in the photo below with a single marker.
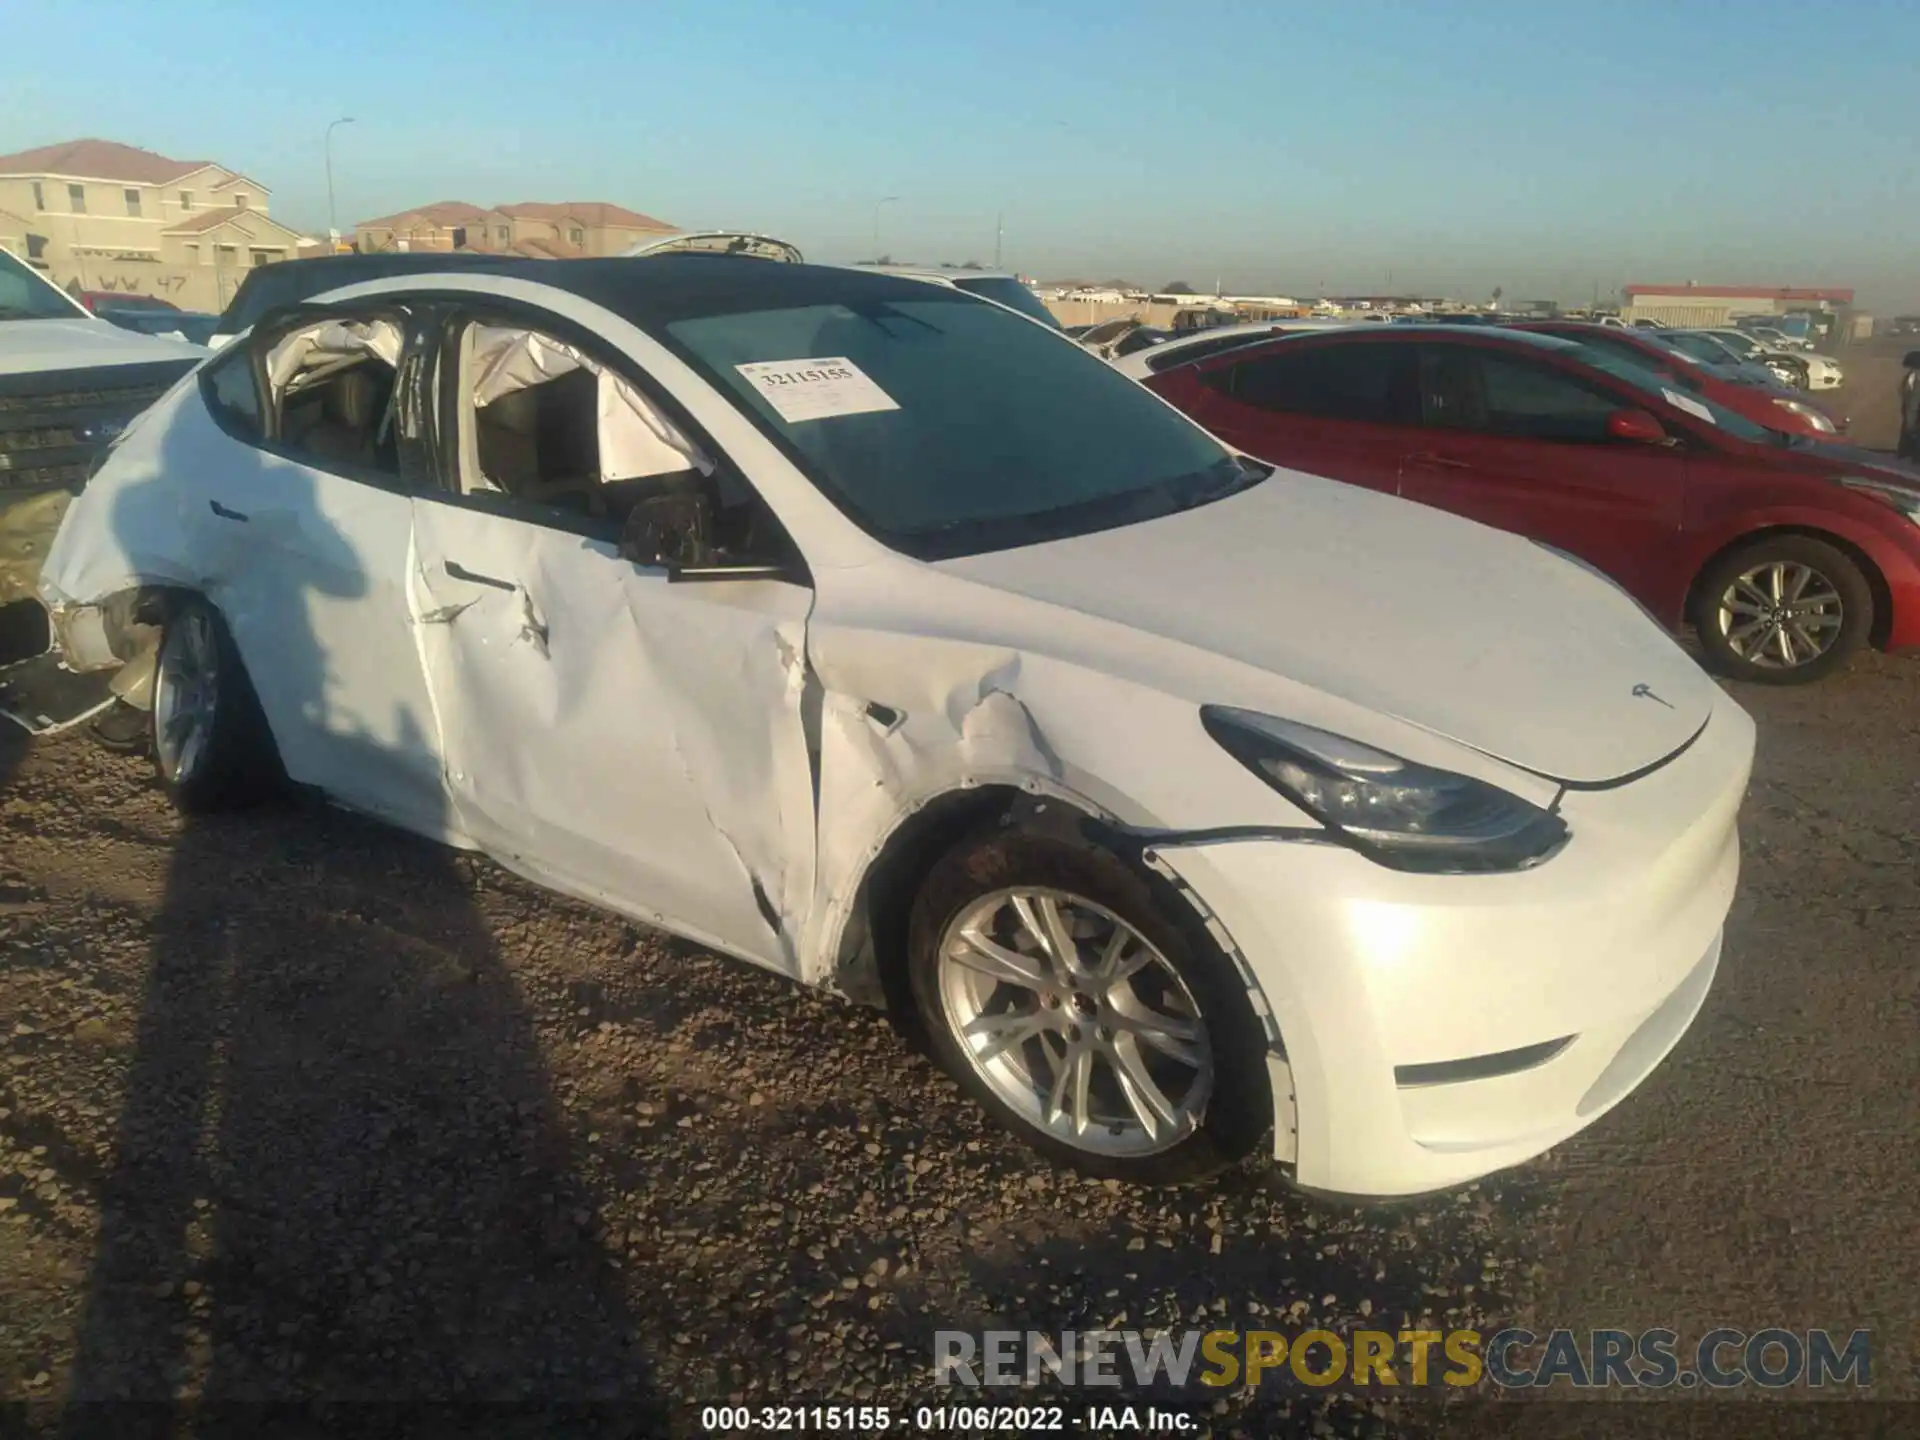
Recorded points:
(506, 441)
(352, 405)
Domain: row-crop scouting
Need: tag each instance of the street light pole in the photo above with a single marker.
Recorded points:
(333, 224)
(883, 200)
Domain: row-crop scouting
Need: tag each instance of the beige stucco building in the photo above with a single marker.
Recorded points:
(99, 215)
(565, 230)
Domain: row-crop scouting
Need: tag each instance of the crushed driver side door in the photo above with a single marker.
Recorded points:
(612, 733)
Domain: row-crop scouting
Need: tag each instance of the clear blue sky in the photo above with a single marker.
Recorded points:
(1545, 147)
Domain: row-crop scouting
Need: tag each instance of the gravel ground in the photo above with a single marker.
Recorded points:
(295, 1108)
(292, 1106)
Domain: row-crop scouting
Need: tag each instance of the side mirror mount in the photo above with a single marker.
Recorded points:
(675, 531)
(1636, 425)
(671, 529)
(1912, 362)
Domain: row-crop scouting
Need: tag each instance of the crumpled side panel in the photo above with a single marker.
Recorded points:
(909, 716)
(905, 719)
(621, 737)
(138, 522)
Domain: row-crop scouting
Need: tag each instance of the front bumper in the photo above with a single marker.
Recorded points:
(1609, 947)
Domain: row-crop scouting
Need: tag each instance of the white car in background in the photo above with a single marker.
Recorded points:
(748, 243)
(995, 285)
(874, 636)
(1822, 372)
(1194, 344)
(1777, 339)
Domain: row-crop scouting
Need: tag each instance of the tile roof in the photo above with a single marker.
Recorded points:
(206, 220)
(202, 221)
(460, 212)
(98, 159)
(439, 213)
(593, 212)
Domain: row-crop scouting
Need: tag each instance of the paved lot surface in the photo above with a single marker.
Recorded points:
(1871, 396)
(294, 1107)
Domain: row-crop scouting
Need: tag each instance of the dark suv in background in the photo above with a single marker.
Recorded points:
(291, 282)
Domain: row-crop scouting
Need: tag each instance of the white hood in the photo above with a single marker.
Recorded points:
(1468, 632)
(31, 346)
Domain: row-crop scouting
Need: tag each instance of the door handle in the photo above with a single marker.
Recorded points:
(1444, 462)
(224, 513)
(457, 571)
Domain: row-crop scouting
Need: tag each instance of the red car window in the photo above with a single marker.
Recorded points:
(1369, 383)
(1481, 389)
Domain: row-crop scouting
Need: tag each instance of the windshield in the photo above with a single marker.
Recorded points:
(1012, 294)
(1744, 346)
(26, 295)
(1631, 353)
(946, 428)
(1675, 366)
(1696, 405)
(1188, 351)
(1667, 341)
(1701, 347)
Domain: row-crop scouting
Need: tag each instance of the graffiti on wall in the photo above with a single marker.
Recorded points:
(165, 286)
(191, 287)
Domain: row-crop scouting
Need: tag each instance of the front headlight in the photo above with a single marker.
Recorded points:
(1900, 497)
(1397, 813)
(1806, 412)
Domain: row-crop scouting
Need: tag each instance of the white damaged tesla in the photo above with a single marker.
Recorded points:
(879, 636)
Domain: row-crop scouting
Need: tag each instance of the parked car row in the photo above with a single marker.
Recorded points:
(865, 630)
(1751, 390)
(1714, 501)
(1803, 369)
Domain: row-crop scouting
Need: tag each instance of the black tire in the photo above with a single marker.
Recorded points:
(1238, 1110)
(235, 764)
(1843, 576)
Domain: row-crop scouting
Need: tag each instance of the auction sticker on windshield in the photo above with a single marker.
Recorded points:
(816, 389)
(1692, 407)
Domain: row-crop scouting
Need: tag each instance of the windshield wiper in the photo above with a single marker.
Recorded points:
(1103, 512)
(1245, 474)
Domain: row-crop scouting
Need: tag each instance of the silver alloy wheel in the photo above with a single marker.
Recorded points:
(1781, 615)
(1076, 1021)
(186, 693)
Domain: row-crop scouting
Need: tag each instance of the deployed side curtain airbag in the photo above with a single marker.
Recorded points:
(636, 440)
(325, 347)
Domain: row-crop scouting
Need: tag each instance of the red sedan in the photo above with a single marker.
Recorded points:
(1786, 554)
(1748, 390)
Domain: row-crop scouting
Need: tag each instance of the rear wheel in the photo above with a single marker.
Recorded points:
(1782, 610)
(1060, 994)
(210, 740)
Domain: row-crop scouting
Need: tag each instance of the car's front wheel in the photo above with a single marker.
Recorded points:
(1783, 610)
(1059, 991)
(210, 741)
